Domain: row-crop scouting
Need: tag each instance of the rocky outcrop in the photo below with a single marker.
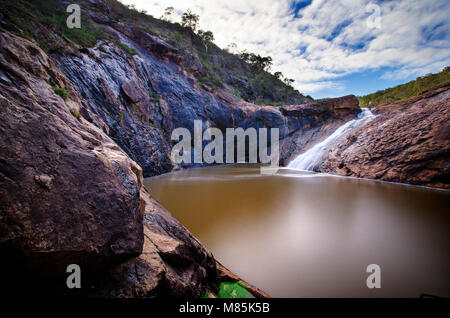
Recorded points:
(313, 122)
(51, 210)
(69, 194)
(172, 263)
(409, 142)
(340, 107)
(142, 98)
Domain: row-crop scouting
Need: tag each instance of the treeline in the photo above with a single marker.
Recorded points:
(244, 74)
(416, 87)
(257, 62)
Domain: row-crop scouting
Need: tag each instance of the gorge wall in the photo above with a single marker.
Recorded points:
(140, 99)
(72, 166)
(69, 194)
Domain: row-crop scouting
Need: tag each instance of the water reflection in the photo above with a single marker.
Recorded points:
(302, 234)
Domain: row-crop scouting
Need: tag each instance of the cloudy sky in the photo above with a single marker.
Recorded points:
(330, 47)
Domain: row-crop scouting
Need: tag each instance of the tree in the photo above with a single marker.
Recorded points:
(256, 61)
(168, 14)
(207, 37)
(245, 56)
(261, 63)
(288, 81)
(278, 75)
(190, 20)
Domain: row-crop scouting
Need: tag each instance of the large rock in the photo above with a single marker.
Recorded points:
(155, 45)
(408, 144)
(340, 107)
(173, 263)
(68, 193)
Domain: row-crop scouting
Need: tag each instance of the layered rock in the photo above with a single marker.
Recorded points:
(409, 142)
(69, 194)
(313, 122)
(142, 98)
(54, 209)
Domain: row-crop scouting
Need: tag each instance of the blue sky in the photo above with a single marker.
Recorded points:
(330, 47)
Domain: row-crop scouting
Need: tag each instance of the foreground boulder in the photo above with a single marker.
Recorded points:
(67, 192)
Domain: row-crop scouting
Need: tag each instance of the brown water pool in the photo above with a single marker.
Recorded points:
(302, 234)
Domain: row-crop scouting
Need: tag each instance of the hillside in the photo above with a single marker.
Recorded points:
(44, 23)
(413, 88)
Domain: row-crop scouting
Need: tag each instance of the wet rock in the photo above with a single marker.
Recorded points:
(409, 144)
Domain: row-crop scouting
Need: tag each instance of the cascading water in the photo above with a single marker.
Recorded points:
(311, 158)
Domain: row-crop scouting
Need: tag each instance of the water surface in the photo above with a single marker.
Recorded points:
(303, 234)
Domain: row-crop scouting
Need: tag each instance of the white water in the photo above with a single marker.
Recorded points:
(312, 157)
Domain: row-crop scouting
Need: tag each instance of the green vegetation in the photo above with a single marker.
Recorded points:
(128, 49)
(416, 87)
(244, 74)
(233, 290)
(168, 14)
(87, 36)
(44, 21)
(61, 92)
(189, 20)
(258, 62)
(207, 37)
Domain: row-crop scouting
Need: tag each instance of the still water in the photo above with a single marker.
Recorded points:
(303, 234)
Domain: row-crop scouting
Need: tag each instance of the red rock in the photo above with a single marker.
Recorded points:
(70, 195)
(409, 144)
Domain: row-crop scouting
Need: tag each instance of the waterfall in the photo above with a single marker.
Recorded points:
(311, 158)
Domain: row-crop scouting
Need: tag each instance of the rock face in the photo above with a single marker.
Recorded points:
(409, 142)
(172, 264)
(72, 167)
(50, 207)
(141, 99)
(69, 194)
(310, 123)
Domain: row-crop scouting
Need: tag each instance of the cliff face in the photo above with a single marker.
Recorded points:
(70, 192)
(82, 125)
(140, 99)
(408, 142)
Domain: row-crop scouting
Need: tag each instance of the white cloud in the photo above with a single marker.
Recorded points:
(330, 38)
